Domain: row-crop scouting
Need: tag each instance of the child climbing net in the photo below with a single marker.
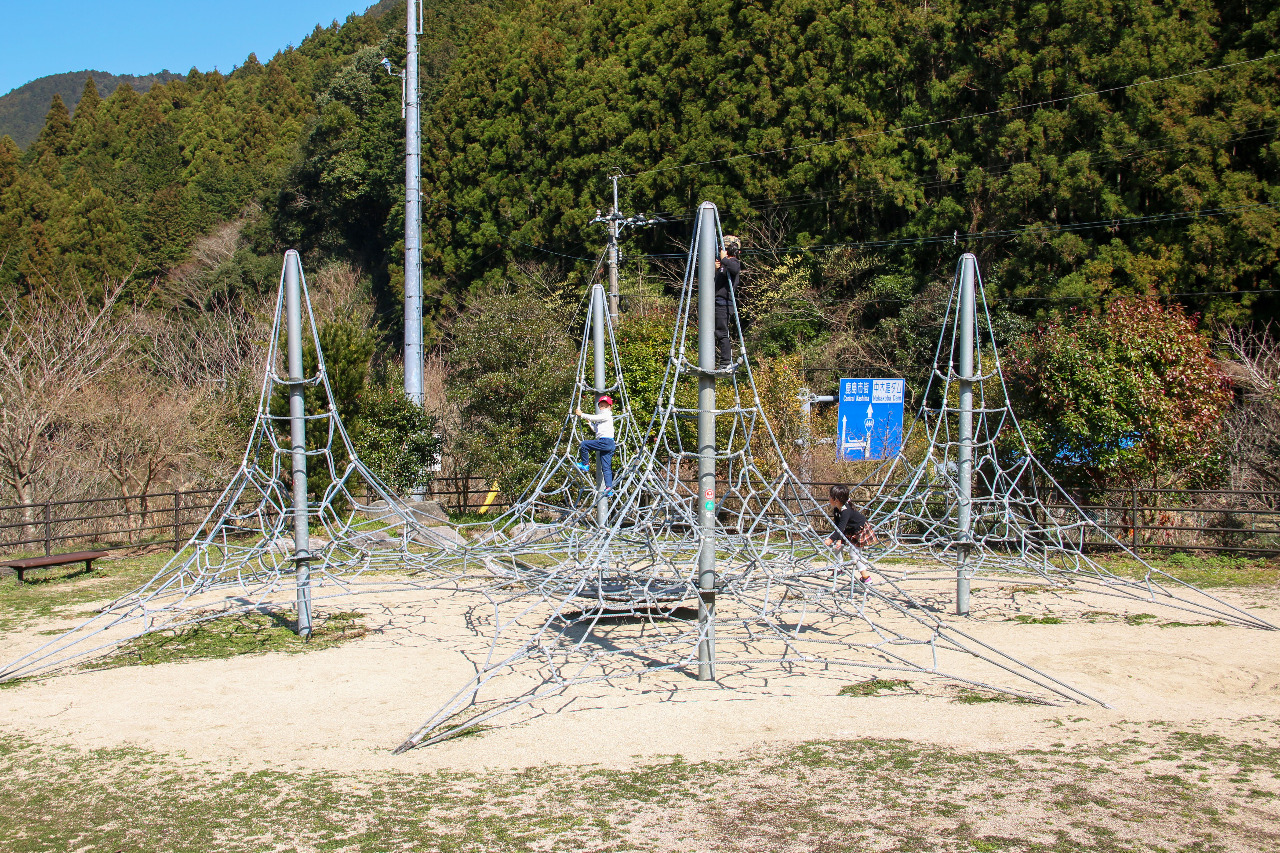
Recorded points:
(602, 445)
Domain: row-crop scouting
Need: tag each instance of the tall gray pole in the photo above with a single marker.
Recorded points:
(613, 255)
(298, 438)
(964, 366)
(597, 334)
(412, 216)
(707, 439)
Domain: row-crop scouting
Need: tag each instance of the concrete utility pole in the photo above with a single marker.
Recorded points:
(298, 438)
(412, 212)
(615, 222)
(967, 319)
(707, 216)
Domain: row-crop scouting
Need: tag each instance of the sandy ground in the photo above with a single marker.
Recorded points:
(346, 708)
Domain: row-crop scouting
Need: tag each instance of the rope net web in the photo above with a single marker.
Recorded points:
(1023, 531)
(363, 538)
(622, 602)
(573, 587)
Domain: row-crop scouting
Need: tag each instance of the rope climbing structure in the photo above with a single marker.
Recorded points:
(710, 564)
(966, 497)
(266, 545)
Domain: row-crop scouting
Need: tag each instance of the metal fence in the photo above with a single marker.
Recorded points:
(1156, 519)
(165, 518)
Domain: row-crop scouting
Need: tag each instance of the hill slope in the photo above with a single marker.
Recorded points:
(23, 110)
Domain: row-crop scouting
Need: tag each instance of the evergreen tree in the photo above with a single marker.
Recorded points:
(90, 101)
(9, 158)
(55, 138)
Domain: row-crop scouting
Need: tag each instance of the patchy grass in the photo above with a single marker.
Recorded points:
(968, 696)
(250, 633)
(44, 594)
(873, 687)
(1216, 570)
(1123, 796)
(1027, 619)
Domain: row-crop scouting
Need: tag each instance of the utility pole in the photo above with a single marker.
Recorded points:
(615, 222)
(412, 211)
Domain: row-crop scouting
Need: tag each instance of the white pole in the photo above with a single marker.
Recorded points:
(964, 365)
(597, 334)
(298, 439)
(412, 216)
(707, 440)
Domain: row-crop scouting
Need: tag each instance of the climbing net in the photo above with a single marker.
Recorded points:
(1025, 532)
(363, 538)
(620, 601)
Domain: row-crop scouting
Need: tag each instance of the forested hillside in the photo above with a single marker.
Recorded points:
(891, 124)
(23, 111)
(1085, 151)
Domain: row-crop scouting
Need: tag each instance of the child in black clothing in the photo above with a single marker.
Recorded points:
(848, 524)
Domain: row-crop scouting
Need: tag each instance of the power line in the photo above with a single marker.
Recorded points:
(956, 237)
(939, 122)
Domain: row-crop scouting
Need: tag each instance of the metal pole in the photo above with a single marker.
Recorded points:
(707, 440)
(412, 216)
(597, 334)
(964, 532)
(48, 531)
(177, 520)
(298, 439)
(613, 255)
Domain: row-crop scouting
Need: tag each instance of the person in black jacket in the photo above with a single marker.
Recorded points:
(728, 269)
(848, 523)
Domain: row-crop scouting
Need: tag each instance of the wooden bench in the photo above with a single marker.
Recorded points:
(27, 563)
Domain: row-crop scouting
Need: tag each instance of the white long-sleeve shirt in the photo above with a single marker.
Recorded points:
(601, 422)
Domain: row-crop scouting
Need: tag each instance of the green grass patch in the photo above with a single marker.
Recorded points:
(1140, 618)
(44, 594)
(1216, 570)
(968, 696)
(60, 798)
(1027, 619)
(240, 634)
(873, 687)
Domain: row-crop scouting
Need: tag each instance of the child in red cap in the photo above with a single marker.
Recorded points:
(603, 444)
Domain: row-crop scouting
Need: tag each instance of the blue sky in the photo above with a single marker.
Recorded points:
(144, 36)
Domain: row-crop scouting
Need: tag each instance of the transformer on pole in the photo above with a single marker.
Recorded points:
(615, 222)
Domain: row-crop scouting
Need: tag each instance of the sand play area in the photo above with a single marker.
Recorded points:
(338, 712)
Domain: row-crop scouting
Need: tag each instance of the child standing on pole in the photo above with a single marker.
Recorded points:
(603, 444)
(728, 269)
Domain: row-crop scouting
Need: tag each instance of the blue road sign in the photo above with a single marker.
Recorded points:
(870, 418)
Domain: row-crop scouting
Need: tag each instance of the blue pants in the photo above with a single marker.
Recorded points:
(604, 448)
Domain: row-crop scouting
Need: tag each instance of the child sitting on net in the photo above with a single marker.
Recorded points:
(603, 444)
(848, 523)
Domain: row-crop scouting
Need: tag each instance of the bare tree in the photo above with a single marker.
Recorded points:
(52, 347)
(1253, 428)
(145, 434)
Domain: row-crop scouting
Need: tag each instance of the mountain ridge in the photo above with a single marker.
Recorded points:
(23, 110)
